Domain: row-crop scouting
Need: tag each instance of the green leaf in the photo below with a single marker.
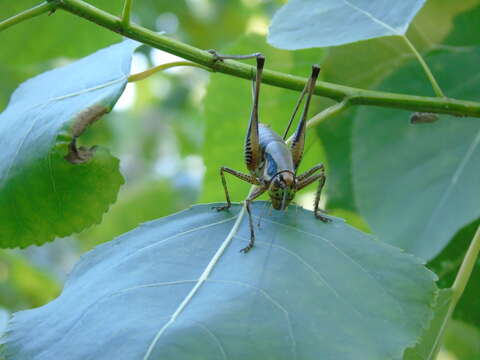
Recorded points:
(465, 32)
(228, 105)
(37, 44)
(462, 340)
(4, 315)
(42, 195)
(427, 32)
(446, 266)
(425, 349)
(417, 185)
(136, 204)
(178, 288)
(304, 24)
(24, 285)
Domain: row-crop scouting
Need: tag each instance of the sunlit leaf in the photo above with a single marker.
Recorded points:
(42, 195)
(304, 24)
(417, 185)
(178, 288)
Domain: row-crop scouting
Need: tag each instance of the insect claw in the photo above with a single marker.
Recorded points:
(322, 218)
(246, 248)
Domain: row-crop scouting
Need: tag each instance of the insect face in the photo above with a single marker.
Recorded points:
(282, 190)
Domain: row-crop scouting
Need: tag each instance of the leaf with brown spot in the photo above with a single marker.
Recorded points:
(48, 186)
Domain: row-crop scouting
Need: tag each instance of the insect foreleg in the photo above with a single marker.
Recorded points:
(311, 171)
(256, 193)
(321, 182)
(245, 177)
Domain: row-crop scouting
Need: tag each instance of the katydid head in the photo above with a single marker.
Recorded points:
(282, 189)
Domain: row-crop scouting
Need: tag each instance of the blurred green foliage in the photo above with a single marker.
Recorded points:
(175, 126)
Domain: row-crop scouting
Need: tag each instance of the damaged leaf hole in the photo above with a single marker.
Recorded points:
(79, 155)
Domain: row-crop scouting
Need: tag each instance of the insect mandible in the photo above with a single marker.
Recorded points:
(272, 163)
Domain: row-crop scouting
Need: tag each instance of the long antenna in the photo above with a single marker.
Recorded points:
(295, 110)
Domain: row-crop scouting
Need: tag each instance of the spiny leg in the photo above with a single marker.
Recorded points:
(321, 182)
(253, 152)
(245, 177)
(298, 142)
(256, 193)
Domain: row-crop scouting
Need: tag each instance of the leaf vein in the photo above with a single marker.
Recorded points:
(373, 18)
(352, 260)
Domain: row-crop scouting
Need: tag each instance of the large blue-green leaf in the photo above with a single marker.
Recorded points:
(178, 288)
(42, 195)
(304, 24)
(417, 185)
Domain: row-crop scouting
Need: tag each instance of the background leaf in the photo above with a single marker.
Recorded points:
(462, 340)
(42, 194)
(36, 45)
(424, 350)
(304, 24)
(428, 32)
(23, 284)
(446, 266)
(419, 196)
(144, 287)
(141, 202)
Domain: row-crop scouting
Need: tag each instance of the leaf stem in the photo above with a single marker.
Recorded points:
(127, 8)
(150, 72)
(427, 70)
(458, 286)
(336, 92)
(27, 14)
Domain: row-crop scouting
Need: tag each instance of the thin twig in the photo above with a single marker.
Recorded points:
(144, 74)
(336, 92)
(27, 14)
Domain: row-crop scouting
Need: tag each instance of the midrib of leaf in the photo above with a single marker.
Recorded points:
(199, 282)
(373, 18)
